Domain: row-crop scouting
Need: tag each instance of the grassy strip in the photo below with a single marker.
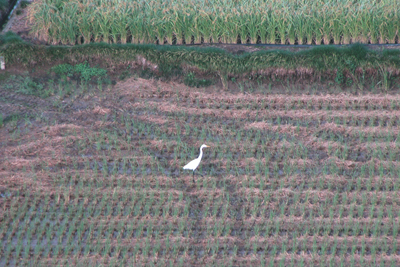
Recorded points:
(353, 60)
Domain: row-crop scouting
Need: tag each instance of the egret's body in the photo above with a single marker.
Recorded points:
(195, 163)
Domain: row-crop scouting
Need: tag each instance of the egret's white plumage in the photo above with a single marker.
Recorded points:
(195, 163)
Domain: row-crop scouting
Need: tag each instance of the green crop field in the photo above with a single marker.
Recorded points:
(183, 21)
(92, 175)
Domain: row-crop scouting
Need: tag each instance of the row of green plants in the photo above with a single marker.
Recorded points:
(69, 219)
(338, 64)
(74, 227)
(270, 22)
(33, 225)
(334, 103)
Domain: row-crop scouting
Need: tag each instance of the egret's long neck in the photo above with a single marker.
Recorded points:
(201, 153)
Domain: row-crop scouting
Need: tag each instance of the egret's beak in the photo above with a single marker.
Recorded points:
(207, 146)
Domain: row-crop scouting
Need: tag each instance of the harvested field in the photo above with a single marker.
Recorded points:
(95, 177)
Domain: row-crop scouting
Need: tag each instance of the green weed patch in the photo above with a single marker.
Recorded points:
(315, 62)
(24, 84)
(192, 81)
(82, 70)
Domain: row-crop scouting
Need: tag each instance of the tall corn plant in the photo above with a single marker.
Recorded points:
(68, 29)
(119, 26)
(283, 24)
(326, 28)
(272, 25)
(39, 17)
(156, 31)
(354, 27)
(255, 27)
(137, 26)
(310, 35)
(217, 28)
(346, 33)
(104, 20)
(169, 29)
(197, 29)
(183, 25)
(318, 30)
(337, 30)
(244, 28)
(85, 25)
(300, 28)
(373, 29)
(53, 33)
(231, 28)
(263, 28)
(291, 32)
(392, 28)
(206, 27)
(365, 22)
(177, 26)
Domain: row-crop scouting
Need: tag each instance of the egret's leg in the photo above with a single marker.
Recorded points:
(193, 176)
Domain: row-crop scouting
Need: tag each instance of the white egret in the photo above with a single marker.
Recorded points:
(195, 163)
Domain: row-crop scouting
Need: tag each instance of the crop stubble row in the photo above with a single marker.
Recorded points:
(262, 207)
